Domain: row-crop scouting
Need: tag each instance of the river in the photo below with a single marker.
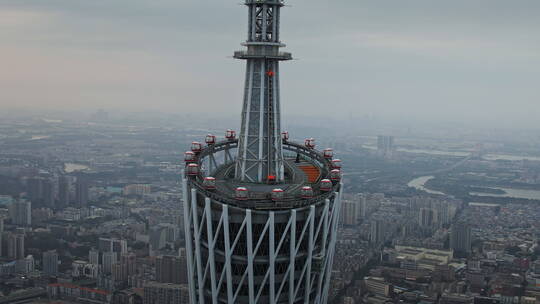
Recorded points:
(489, 156)
(514, 193)
(71, 167)
(420, 184)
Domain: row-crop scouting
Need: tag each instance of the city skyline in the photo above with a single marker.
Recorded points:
(395, 158)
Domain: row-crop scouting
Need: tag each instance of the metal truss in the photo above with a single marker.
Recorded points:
(264, 21)
(260, 153)
(240, 255)
(260, 148)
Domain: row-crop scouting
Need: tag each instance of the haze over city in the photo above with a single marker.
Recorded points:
(269, 152)
(474, 62)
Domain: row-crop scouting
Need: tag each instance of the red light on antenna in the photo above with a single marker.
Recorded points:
(270, 73)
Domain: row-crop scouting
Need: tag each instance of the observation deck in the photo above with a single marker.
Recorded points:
(265, 53)
(304, 166)
(258, 2)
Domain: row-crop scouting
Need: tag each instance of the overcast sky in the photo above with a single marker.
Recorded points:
(457, 60)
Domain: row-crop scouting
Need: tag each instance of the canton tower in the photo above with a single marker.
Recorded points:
(260, 211)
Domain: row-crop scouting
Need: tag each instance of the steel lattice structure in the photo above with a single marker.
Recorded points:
(247, 256)
(260, 146)
(251, 238)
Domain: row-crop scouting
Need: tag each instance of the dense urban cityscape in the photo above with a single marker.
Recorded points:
(91, 213)
(407, 172)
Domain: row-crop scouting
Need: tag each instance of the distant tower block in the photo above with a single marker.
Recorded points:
(260, 151)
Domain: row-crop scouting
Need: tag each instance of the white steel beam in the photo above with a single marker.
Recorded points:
(311, 240)
(210, 238)
(197, 239)
(228, 271)
(272, 258)
(189, 238)
(249, 241)
(292, 256)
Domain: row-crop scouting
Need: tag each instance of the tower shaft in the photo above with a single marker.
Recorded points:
(247, 242)
(260, 153)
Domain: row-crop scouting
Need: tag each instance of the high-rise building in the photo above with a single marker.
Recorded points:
(93, 256)
(20, 212)
(445, 212)
(34, 188)
(165, 293)
(260, 224)
(460, 238)
(50, 263)
(377, 234)
(41, 190)
(81, 192)
(118, 246)
(385, 145)
(15, 245)
(123, 269)
(349, 212)
(183, 266)
(169, 269)
(427, 217)
(119, 272)
(49, 193)
(157, 238)
(64, 188)
(363, 206)
(109, 259)
(130, 261)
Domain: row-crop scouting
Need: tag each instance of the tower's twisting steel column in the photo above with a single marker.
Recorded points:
(260, 225)
(260, 153)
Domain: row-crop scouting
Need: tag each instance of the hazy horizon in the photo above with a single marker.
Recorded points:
(473, 62)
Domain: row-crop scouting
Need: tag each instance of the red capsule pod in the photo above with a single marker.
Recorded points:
(285, 136)
(210, 139)
(328, 153)
(336, 164)
(277, 194)
(310, 143)
(230, 134)
(190, 157)
(196, 147)
(307, 192)
(335, 175)
(241, 193)
(192, 169)
(209, 183)
(326, 185)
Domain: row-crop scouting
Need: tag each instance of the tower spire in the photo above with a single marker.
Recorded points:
(260, 155)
